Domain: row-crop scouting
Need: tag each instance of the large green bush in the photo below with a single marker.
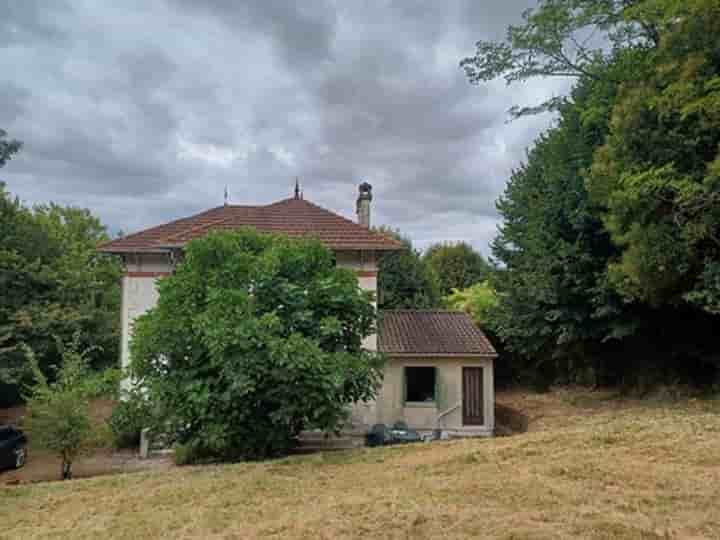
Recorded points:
(255, 337)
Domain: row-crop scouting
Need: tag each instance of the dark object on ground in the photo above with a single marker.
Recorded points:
(380, 435)
(13, 448)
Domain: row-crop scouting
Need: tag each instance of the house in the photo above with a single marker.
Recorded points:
(440, 373)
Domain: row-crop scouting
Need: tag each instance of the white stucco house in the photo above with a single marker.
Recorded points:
(440, 373)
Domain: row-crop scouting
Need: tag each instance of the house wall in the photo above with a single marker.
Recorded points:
(139, 290)
(139, 294)
(391, 406)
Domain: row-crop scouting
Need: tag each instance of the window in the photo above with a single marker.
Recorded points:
(420, 384)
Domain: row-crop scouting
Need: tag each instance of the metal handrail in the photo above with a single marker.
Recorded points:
(445, 413)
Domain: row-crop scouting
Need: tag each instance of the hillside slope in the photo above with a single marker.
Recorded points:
(591, 470)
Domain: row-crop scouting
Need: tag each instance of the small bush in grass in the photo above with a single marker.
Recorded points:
(129, 417)
(58, 412)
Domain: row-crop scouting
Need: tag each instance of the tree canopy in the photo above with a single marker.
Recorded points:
(254, 338)
(456, 265)
(53, 284)
(405, 280)
(608, 249)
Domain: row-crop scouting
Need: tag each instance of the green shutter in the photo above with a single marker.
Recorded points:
(404, 386)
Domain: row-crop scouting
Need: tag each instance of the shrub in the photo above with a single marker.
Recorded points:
(58, 413)
(129, 417)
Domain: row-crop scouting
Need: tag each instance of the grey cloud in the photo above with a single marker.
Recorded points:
(13, 101)
(302, 31)
(30, 21)
(144, 111)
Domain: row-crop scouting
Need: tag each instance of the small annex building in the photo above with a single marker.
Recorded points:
(440, 373)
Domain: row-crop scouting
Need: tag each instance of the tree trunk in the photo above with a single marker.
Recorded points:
(66, 470)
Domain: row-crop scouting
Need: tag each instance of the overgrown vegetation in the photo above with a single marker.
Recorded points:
(609, 248)
(255, 337)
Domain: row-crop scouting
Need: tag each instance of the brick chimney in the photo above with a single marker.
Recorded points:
(363, 204)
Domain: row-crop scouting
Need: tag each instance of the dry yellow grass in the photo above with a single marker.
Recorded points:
(586, 469)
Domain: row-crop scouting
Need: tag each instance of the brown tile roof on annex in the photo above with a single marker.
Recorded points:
(431, 332)
(294, 217)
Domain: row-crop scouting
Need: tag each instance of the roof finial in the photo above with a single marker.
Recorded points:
(297, 187)
(226, 195)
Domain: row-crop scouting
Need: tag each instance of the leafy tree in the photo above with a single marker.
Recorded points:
(58, 413)
(457, 266)
(565, 38)
(8, 148)
(592, 262)
(405, 280)
(658, 174)
(254, 338)
(53, 283)
(479, 300)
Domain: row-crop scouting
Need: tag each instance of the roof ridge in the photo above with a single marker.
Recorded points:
(336, 215)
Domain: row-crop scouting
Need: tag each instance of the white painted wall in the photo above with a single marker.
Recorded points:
(391, 406)
(139, 294)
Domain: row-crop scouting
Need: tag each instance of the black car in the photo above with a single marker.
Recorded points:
(13, 448)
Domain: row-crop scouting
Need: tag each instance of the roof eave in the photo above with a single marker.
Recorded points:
(406, 354)
(127, 250)
(164, 248)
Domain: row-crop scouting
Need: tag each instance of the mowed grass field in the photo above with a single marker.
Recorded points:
(589, 467)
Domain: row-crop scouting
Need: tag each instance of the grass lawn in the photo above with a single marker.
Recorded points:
(589, 467)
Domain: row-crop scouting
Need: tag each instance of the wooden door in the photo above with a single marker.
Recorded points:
(473, 396)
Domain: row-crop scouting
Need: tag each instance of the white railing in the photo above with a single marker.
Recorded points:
(445, 413)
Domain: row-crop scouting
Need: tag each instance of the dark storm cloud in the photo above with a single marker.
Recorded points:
(145, 110)
(302, 31)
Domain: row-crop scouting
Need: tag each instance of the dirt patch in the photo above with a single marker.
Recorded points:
(41, 466)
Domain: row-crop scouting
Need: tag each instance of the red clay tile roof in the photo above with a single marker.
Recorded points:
(431, 332)
(294, 217)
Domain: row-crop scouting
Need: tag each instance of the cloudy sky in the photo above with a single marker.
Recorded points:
(144, 110)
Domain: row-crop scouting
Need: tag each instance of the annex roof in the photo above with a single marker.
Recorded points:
(431, 332)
